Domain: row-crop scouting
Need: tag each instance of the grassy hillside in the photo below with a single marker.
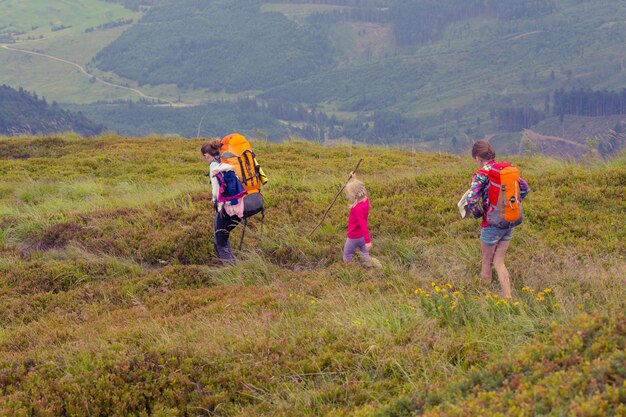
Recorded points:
(61, 81)
(547, 378)
(111, 301)
(41, 17)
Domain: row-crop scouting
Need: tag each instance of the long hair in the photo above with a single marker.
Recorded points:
(484, 150)
(355, 191)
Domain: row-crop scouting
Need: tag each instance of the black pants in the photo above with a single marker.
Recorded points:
(222, 226)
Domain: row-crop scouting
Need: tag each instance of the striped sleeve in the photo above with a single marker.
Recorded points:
(524, 188)
(476, 191)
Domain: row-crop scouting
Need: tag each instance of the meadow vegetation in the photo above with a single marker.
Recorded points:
(112, 302)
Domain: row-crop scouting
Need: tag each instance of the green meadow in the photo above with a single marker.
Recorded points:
(112, 301)
(40, 16)
(55, 80)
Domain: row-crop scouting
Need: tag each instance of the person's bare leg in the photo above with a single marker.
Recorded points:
(488, 252)
(503, 273)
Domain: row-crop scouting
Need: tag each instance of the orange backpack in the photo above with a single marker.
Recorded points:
(236, 151)
(505, 209)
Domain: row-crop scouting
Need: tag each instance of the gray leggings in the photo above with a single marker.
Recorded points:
(351, 246)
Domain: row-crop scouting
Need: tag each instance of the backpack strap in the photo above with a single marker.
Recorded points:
(246, 157)
(244, 179)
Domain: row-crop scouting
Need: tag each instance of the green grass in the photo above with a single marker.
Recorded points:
(111, 300)
(65, 83)
(69, 84)
(43, 15)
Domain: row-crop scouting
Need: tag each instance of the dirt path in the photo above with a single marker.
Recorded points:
(524, 35)
(534, 136)
(97, 79)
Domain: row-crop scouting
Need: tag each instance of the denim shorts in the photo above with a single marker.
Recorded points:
(492, 235)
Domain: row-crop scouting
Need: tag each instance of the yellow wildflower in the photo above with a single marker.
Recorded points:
(456, 293)
(547, 290)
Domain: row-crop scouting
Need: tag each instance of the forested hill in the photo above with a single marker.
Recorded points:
(220, 45)
(240, 45)
(441, 72)
(22, 112)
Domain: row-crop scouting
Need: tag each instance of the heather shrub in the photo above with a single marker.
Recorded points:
(112, 301)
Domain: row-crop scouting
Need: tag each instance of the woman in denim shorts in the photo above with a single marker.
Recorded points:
(494, 241)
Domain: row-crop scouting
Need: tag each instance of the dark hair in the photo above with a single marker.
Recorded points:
(212, 148)
(484, 150)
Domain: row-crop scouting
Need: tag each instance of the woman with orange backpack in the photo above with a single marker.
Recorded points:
(236, 179)
(227, 213)
(496, 195)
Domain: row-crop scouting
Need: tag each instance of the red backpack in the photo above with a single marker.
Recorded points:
(505, 209)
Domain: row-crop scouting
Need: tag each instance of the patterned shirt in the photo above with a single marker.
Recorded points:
(478, 200)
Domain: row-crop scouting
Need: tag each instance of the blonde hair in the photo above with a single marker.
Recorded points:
(355, 191)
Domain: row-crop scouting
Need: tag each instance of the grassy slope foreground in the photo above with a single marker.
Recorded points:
(111, 302)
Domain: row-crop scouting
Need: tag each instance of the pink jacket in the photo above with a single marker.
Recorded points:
(357, 221)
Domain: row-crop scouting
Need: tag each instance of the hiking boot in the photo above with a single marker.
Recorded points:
(375, 263)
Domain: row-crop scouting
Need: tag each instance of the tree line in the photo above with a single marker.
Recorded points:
(22, 112)
(577, 102)
(589, 102)
(419, 22)
(134, 5)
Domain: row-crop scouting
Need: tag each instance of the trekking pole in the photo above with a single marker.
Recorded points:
(243, 233)
(337, 196)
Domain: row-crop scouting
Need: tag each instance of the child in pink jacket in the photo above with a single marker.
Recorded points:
(358, 231)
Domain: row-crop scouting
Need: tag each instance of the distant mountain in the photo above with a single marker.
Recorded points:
(389, 70)
(436, 74)
(22, 112)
